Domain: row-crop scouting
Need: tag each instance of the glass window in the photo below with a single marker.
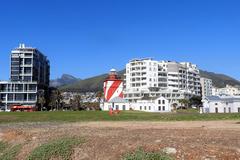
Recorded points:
(28, 61)
(124, 107)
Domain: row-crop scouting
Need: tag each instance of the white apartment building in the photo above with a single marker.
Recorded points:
(151, 78)
(206, 85)
(228, 90)
(221, 104)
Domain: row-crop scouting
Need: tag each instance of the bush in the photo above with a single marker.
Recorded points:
(142, 155)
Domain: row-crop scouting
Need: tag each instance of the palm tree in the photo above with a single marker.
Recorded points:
(59, 98)
(56, 99)
(41, 101)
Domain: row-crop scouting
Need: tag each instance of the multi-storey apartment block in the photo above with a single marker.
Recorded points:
(228, 90)
(29, 72)
(206, 86)
(171, 80)
(29, 65)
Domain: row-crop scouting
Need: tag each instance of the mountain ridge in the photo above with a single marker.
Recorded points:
(95, 83)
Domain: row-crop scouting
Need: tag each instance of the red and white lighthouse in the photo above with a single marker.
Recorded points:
(113, 86)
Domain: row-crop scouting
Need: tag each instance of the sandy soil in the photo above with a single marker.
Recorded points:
(110, 140)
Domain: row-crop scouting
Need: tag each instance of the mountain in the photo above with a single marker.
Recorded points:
(219, 80)
(64, 80)
(92, 84)
(96, 83)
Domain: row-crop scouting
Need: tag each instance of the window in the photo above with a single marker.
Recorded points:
(163, 108)
(140, 107)
(149, 108)
(27, 70)
(239, 110)
(159, 101)
(229, 110)
(145, 107)
(216, 104)
(28, 61)
(216, 110)
(163, 101)
(117, 107)
(27, 78)
(159, 108)
(123, 107)
(224, 110)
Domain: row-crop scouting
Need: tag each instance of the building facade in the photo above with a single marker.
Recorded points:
(29, 75)
(171, 80)
(152, 104)
(221, 104)
(29, 65)
(206, 87)
(228, 90)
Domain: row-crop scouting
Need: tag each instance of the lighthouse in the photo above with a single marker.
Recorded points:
(113, 86)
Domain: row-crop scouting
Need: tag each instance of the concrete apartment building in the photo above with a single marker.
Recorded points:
(206, 87)
(29, 74)
(228, 90)
(151, 78)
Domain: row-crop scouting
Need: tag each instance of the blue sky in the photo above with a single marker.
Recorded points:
(89, 37)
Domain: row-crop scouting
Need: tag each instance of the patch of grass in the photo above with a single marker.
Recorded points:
(190, 110)
(10, 153)
(142, 155)
(59, 148)
(80, 116)
(3, 146)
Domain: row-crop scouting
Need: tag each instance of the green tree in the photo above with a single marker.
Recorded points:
(41, 99)
(77, 103)
(184, 102)
(99, 96)
(56, 99)
(1, 103)
(196, 101)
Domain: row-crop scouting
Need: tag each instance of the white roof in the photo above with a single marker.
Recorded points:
(113, 70)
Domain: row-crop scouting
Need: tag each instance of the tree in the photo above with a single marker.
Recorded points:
(56, 99)
(1, 104)
(41, 99)
(59, 98)
(195, 101)
(99, 96)
(76, 103)
(184, 102)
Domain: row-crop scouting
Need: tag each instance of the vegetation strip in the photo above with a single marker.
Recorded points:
(9, 153)
(81, 116)
(142, 155)
(60, 148)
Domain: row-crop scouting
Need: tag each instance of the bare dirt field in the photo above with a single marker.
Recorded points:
(198, 140)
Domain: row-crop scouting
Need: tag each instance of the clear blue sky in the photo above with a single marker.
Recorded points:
(89, 37)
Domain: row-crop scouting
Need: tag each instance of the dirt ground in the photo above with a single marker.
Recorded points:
(195, 140)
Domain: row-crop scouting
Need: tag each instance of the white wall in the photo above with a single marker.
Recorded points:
(107, 105)
(222, 107)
